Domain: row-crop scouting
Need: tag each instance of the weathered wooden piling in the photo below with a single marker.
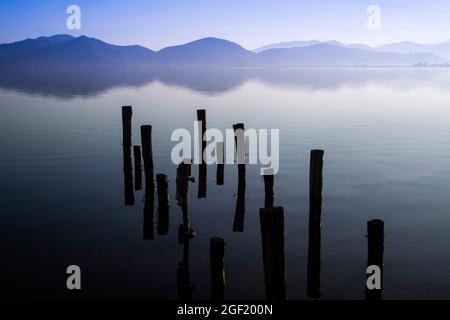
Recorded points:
(220, 163)
(126, 125)
(315, 176)
(268, 191)
(162, 185)
(239, 141)
(137, 168)
(273, 244)
(202, 170)
(127, 159)
(147, 155)
(239, 215)
(375, 250)
(217, 253)
(315, 211)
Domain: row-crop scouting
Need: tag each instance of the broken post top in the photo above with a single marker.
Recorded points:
(238, 126)
(217, 240)
(127, 109)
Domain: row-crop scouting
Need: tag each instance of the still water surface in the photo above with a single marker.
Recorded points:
(385, 133)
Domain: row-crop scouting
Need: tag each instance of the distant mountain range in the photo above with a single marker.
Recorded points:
(62, 51)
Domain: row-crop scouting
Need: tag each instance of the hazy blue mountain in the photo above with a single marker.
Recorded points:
(440, 49)
(307, 43)
(66, 51)
(332, 55)
(74, 52)
(205, 52)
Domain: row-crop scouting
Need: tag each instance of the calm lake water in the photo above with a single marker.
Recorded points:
(385, 133)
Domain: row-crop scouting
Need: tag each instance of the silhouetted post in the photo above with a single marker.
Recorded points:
(239, 142)
(273, 243)
(239, 216)
(220, 163)
(147, 155)
(162, 184)
(375, 248)
(268, 190)
(126, 125)
(315, 211)
(217, 252)
(127, 159)
(137, 168)
(202, 171)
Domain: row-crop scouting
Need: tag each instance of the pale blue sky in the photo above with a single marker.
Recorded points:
(251, 23)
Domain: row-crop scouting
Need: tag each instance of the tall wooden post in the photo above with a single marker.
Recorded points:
(273, 243)
(127, 159)
(217, 252)
(202, 171)
(147, 155)
(239, 215)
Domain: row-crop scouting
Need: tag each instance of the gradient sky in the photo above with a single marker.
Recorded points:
(251, 23)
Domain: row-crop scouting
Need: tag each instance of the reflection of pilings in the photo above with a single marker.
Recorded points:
(220, 163)
(147, 155)
(238, 224)
(185, 232)
(217, 252)
(272, 233)
(315, 209)
(201, 117)
(162, 185)
(184, 276)
(375, 248)
(127, 160)
(268, 190)
(137, 168)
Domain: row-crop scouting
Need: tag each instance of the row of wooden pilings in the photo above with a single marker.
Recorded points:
(272, 218)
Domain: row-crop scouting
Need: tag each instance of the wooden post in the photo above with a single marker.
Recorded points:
(273, 243)
(315, 211)
(126, 125)
(268, 190)
(147, 155)
(127, 159)
(315, 176)
(220, 163)
(202, 171)
(217, 252)
(183, 178)
(137, 168)
(239, 216)
(375, 249)
(239, 140)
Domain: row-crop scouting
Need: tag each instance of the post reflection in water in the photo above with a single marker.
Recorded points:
(162, 185)
(315, 211)
(375, 250)
(185, 232)
(238, 224)
(127, 160)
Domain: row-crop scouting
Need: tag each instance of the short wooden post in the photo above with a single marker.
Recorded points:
(183, 178)
(137, 168)
(239, 140)
(268, 190)
(220, 163)
(375, 250)
(162, 183)
(201, 117)
(126, 125)
(217, 253)
(147, 150)
(273, 243)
